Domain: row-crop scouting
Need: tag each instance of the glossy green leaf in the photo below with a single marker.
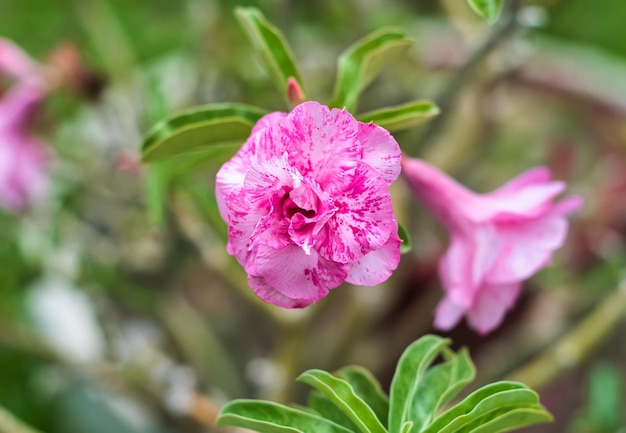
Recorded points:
(328, 410)
(341, 393)
(408, 376)
(508, 420)
(439, 385)
(403, 116)
(212, 131)
(271, 46)
(486, 404)
(362, 61)
(268, 417)
(407, 427)
(368, 389)
(403, 234)
(488, 9)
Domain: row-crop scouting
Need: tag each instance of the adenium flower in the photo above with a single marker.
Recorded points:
(307, 204)
(497, 240)
(22, 157)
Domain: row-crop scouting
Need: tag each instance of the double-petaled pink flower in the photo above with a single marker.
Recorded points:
(307, 204)
(497, 240)
(22, 157)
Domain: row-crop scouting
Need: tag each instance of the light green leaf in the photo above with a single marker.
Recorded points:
(488, 9)
(362, 61)
(403, 234)
(268, 417)
(401, 117)
(341, 393)
(407, 427)
(485, 404)
(211, 130)
(271, 46)
(368, 389)
(439, 385)
(408, 376)
(509, 420)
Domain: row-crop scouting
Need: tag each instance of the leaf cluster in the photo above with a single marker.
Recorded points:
(351, 400)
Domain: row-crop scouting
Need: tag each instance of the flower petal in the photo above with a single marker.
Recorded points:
(448, 314)
(380, 151)
(364, 219)
(14, 61)
(306, 278)
(526, 247)
(321, 143)
(467, 261)
(492, 303)
(377, 266)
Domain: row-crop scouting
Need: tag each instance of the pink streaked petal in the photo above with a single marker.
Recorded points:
(14, 61)
(492, 303)
(467, 261)
(270, 295)
(364, 219)
(321, 143)
(377, 266)
(380, 151)
(306, 277)
(267, 120)
(448, 314)
(526, 247)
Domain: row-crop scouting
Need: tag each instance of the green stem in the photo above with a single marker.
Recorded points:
(10, 424)
(504, 28)
(572, 349)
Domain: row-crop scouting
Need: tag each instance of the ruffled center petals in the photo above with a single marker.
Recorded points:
(321, 143)
(296, 275)
(364, 219)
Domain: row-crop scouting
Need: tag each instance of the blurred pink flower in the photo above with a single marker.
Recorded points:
(307, 204)
(22, 157)
(497, 240)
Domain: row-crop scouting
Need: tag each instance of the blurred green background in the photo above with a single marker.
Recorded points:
(136, 254)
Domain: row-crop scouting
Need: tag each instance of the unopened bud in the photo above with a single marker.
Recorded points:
(295, 95)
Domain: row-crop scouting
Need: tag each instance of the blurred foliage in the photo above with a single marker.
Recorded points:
(146, 244)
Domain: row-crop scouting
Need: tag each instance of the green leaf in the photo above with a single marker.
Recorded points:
(488, 9)
(509, 420)
(341, 393)
(407, 427)
(403, 234)
(213, 131)
(271, 46)
(401, 117)
(368, 389)
(327, 409)
(486, 404)
(439, 385)
(362, 61)
(268, 417)
(409, 373)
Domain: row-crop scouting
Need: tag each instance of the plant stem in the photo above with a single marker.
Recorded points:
(504, 28)
(10, 424)
(578, 344)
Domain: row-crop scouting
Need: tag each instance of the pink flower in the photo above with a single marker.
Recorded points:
(22, 157)
(497, 240)
(307, 204)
